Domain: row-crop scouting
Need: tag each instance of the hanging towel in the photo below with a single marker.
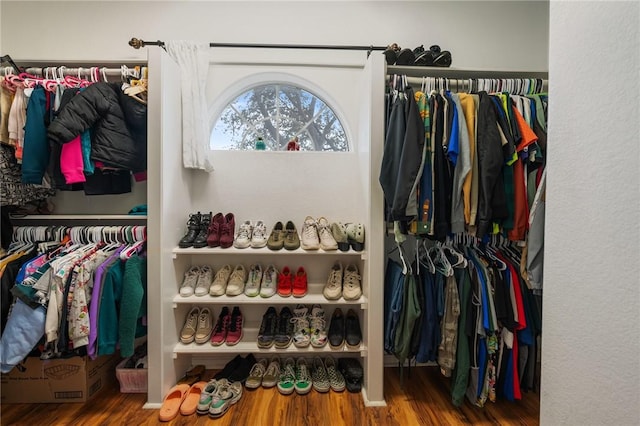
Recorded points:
(193, 60)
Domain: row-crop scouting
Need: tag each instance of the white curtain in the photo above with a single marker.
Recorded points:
(193, 60)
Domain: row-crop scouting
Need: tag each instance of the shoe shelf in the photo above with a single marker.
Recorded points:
(264, 251)
(242, 299)
(252, 347)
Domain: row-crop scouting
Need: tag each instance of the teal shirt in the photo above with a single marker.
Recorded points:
(110, 298)
(134, 304)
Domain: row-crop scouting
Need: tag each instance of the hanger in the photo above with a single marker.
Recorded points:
(423, 256)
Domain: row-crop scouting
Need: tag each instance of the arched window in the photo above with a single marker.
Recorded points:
(278, 113)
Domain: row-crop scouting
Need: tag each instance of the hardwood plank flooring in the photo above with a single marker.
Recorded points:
(423, 399)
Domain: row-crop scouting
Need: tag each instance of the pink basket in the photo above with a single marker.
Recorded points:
(132, 380)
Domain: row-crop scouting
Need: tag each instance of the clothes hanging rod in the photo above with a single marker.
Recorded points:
(137, 44)
(41, 71)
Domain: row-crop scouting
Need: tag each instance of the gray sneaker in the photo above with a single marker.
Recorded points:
(204, 281)
(336, 380)
(333, 288)
(236, 281)
(320, 376)
(189, 282)
(269, 282)
(351, 288)
(272, 375)
(252, 288)
(256, 374)
(205, 326)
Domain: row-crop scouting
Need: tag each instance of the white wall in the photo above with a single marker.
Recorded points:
(480, 34)
(591, 324)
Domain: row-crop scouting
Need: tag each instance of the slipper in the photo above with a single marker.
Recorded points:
(190, 403)
(171, 404)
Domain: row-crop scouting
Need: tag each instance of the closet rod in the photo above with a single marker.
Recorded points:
(463, 83)
(137, 44)
(40, 71)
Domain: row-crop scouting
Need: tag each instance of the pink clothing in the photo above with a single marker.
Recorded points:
(71, 163)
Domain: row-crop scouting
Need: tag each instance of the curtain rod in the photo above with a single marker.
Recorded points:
(137, 44)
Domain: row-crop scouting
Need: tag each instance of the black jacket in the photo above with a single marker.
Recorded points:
(113, 143)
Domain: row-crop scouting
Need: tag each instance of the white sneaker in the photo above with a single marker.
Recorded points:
(219, 285)
(252, 288)
(236, 281)
(259, 236)
(269, 282)
(318, 326)
(300, 320)
(333, 288)
(327, 242)
(243, 237)
(204, 281)
(189, 282)
(351, 288)
(310, 239)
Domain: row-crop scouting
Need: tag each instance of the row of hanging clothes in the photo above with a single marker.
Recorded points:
(465, 305)
(71, 129)
(72, 291)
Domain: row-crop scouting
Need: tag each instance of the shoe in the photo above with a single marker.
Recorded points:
(318, 327)
(227, 394)
(172, 401)
(310, 239)
(319, 376)
(188, 332)
(267, 332)
(406, 57)
(271, 376)
(206, 396)
(299, 287)
(243, 237)
(291, 238)
(333, 288)
(285, 282)
(205, 276)
(236, 281)
(190, 403)
(336, 380)
(252, 288)
(254, 381)
(284, 329)
(293, 145)
(339, 232)
(193, 227)
(219, 285)
(336, 330)
(327, 242)
(234, 333)
(213, 240)
(303, 382)
(276, 238)
(227, 231)
(286, 383)
(351, 287)
(229, 368)
(241, 373)
(203, 233)
(352, 334)
(187, 288)
(300, 320)
(355, 236)
(205, 326)
(351, 370)
(269, 282)
(219, 334)
(391, 54)
(259, 235)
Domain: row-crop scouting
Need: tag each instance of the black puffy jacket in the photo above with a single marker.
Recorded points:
(100, 107)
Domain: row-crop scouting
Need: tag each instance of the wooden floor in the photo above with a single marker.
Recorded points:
(424, 399)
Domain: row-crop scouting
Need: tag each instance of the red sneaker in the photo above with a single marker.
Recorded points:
(300, 283)
(234, 334)
(227, 231)
(219, 334)
(285, 281)
(213, 239)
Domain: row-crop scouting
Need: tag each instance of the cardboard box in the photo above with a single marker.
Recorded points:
(76, 379)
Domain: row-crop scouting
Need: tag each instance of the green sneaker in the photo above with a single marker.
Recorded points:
(286, 384)
(227, 394)
(303, 378)
(206, 396)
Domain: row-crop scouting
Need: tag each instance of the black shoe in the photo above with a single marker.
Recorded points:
(353, 334)
(267, 333)
(193, 227)
(336, 329)
(203, 232)
(352, 371)
(229, 368)
(284, 329)
(241, 373)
